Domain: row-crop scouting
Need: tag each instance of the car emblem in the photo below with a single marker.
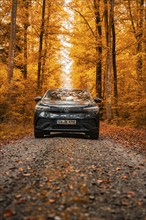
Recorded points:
(66, 109)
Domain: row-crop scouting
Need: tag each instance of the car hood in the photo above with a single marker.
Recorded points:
(69, 104)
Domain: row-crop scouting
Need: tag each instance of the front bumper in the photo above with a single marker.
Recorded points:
(47, 122)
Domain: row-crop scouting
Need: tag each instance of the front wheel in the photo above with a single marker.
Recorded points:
(94, 135)
(38, 134)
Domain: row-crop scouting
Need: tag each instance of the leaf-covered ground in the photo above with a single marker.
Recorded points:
(129, 137)
(70, 177)
(9, 133)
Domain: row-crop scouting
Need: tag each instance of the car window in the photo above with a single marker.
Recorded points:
(67, 95)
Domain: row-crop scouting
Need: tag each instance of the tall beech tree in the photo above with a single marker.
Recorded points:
(42, 29)
(115, 81)
(108, 4)
(96, 5)
(137, 27)
(12, 40)
(26, 25)
(22, 34)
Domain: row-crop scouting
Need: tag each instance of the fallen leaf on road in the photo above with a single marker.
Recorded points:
(118, 169)
(21, 200)
(30, 218)
(130, 194)
(20, 169)
(8, 213)
(26, 174)
(99, 181)
(50, 201)
(124, 177)
(139, 203)
(125, 203)
(70, 187)
(107, 181)
(20, 162)
(18, 196)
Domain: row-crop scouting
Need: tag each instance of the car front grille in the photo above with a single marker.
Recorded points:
(71, 127)
(65, 109)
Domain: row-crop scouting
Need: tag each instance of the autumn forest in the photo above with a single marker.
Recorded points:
(97, 45)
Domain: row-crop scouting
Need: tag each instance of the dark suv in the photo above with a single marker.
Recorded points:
(66, 110)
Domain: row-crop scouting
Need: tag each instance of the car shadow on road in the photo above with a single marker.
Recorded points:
(68, 135)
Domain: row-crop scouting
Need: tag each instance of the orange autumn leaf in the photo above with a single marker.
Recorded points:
(130, 194)
(20, 169)
(26, 174)
(8, 213)
(99, 181)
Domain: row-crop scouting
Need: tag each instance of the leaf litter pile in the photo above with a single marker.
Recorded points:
(70, 177)
(128, 137)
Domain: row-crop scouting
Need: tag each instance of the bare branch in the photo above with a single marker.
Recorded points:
(84, 20)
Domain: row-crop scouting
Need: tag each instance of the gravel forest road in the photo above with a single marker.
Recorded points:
(71, 177)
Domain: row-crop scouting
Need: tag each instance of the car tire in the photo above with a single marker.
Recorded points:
(38, 134)
(94, 135)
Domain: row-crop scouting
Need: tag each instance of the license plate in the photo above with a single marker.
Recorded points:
(66, 122)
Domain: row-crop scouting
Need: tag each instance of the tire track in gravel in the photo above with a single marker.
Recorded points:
(72, 177)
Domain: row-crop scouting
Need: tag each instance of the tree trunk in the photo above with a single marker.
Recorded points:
(139, 42)
(41, 45)
(26, 25)
(43, 66)
(114, 66)
(138, 33)
(108, 75)
(12, 41)
(98, 49)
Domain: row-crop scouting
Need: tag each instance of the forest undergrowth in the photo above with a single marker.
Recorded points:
(10, 133)
(129, 137)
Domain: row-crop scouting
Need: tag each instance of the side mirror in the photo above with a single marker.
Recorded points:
(97, 100)
(38, 98)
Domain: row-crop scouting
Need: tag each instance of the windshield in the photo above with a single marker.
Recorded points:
(67, 95)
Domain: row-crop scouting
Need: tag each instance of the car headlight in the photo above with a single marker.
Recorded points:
(42, 108)
(92, 109)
